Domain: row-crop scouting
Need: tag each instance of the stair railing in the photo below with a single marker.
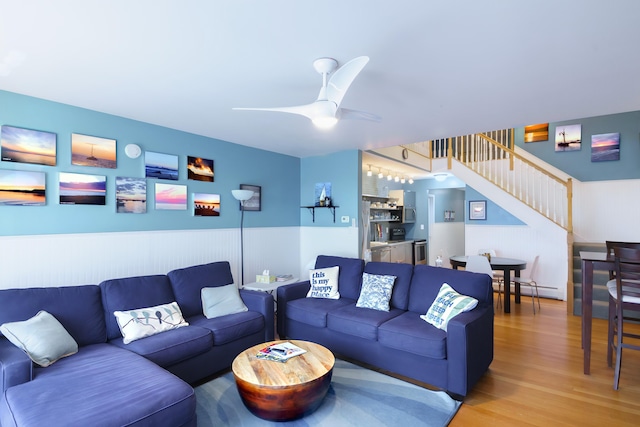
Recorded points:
(497, 162)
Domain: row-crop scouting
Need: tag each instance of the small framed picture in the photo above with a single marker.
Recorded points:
(478, 210)
(255, 202)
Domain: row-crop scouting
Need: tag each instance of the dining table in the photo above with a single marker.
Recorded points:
(590, 261)
(506, 265)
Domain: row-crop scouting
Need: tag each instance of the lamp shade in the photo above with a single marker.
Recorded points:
(242, 195)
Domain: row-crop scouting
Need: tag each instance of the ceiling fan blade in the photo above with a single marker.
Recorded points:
(303, 110)
(343, 77)
(346, 113)
(311, 111)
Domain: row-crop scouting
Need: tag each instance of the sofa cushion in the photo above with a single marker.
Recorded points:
(350, 273)
(42, 337)
(376, 291)
(231, 327)
(171, 347)
(221, 300)
(146, 321)
(403, 273)
(427, 280)
(313, 311)
(77, 308)
(188, 282)
(360, 322)
(324, 283)
(448, 304)
(102, 385)
(130, 293)
(408, 332)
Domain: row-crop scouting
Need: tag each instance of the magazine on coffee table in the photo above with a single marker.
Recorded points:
(280, 352)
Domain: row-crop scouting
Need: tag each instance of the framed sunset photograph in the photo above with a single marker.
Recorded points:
(93, 151)
(605, 147)
(81, 189)
(568, 138)
(22, 188)
(206, 204)
(27, 146)
(199, 169)
(131, 195)
(161, 166)
(537, 132)
(171, 197)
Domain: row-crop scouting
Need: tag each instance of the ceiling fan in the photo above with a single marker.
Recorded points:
(325, 111)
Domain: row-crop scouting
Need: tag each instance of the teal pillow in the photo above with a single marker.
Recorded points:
(446, 306)
(376, 291)
(221, 300)
(42, 337)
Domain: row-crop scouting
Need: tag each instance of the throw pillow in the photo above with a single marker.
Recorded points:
(447, 305)
(324, 283)
(221, 300)
(42, 337)
(376, 291)
(144, 322)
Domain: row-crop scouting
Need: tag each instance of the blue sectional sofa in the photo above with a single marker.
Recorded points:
(109, 383)
(398, 340)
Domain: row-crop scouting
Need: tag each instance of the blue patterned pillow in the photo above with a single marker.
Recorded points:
(447, 305)
(376, 291)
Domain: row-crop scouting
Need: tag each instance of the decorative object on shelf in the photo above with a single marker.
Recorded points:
(161, 166)
(131, 195)
(81, 189)
(132, 151)
(605, 147)
(568, 138)
(27, 146)
(478, 210)
(242, 196)
(199, 169)
(322, 191)
(254, 203)
(93, 151)
(206, 204)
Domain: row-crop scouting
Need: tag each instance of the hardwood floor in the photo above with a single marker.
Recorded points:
(536, 378)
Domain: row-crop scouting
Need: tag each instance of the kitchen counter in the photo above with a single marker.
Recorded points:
(394, 251)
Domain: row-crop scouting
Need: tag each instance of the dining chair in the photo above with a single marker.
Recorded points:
(498, 276)
(612, 244)
(624, 296)
(531, 283)
(479, 264)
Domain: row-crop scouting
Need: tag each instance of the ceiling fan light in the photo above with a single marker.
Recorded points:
(325, 122)
(440, 176)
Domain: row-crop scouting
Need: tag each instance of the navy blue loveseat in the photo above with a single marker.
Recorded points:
(398, 340)
(109, 383)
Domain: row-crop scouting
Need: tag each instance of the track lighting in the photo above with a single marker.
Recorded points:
(369, 173)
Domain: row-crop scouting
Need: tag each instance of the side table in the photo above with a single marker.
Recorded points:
(269, 288)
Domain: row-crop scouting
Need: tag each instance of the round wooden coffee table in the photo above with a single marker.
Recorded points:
(283, 391)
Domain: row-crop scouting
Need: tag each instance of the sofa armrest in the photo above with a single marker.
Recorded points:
(262, 303)
(285, 294)
(15, 366)
(469, 348)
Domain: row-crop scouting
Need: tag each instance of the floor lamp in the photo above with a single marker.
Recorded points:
(242, 196)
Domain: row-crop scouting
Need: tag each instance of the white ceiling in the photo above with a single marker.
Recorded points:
(437, 68)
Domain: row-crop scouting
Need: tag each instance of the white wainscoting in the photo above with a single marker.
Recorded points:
(337, 241)
(89, 258)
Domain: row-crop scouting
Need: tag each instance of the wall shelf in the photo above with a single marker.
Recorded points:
(312, 209)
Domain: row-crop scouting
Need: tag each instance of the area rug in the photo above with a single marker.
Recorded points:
(356, 397)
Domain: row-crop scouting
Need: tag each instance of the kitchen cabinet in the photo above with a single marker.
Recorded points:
(401, 252)
(406, 199)
(381, 254)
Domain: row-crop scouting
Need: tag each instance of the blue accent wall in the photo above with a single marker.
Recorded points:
(342, 170)
(495, 214)
(277, 174)
(578, 163)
